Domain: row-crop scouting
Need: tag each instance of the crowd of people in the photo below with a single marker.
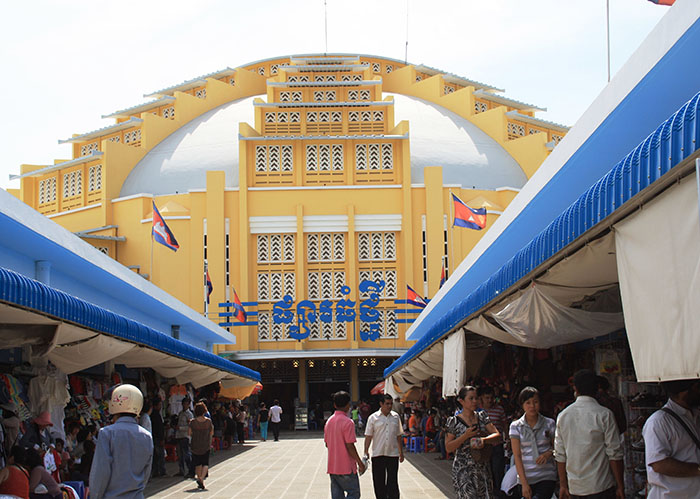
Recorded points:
(516, 450)
(130, 448)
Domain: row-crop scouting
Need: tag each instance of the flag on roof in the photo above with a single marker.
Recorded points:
(238, 310)
(414, 298)
(160, 231)
(443, 276)
(662, 2)
(468, 217)
(210, 286)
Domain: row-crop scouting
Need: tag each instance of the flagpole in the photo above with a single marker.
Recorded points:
(607, 18)
(206, 291)
(450, 256)
(150, 275)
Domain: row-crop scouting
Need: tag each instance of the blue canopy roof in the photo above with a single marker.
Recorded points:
(20, 291)
(664, 149)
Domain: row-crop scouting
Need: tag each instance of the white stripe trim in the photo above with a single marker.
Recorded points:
(273, 225)
(76, 210)
(172, 217)
(326, 187)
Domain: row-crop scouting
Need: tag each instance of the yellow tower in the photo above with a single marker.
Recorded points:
(315, 188)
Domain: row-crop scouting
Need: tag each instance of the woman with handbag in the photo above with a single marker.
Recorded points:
(532, 440)
(471, 435)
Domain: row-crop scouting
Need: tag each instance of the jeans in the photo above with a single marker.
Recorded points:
(606, 494)
(275, 430)
(240, 431)
(263, 430)
(184, 456)
(541, 490)
(158, 460)
(385, 471)
(340, 484)
(498, 465)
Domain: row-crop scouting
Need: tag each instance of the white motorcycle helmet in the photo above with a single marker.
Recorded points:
(126, 399)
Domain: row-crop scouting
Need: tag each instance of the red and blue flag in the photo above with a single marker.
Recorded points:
(160, 231)
(413, 298)
(443, 276)
(468, 217)
(238, 310)
(210, 286)
(663, 2)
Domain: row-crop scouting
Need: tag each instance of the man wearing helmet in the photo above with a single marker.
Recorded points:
(122, 463)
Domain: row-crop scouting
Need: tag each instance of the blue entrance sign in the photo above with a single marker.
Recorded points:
(306, 313)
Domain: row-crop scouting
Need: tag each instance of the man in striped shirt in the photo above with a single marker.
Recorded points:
(498, 418)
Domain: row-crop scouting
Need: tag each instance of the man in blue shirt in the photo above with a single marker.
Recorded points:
(123, 456)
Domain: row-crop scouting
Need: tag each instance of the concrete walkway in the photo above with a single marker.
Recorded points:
(295, 467)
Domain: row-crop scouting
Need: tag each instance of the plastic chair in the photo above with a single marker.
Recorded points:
(171, 453)
(415, 444)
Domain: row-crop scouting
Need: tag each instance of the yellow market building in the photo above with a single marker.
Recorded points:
(293, 180)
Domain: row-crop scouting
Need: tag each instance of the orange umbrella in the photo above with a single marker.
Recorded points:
(378, 389)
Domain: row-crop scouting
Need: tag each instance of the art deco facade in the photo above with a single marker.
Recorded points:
(300, 176)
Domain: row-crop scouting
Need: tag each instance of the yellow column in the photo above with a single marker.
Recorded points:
(434, 222)
(354, 380)
(302, 382)
(300, 267)
(214, 206)
(246, 286)
(352, 275)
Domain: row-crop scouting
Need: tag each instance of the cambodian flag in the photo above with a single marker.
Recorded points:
(468, 217)
(210, 286)
(239, 311)
(161, 232)
(662, 2)
(443, 277)
(414, 298)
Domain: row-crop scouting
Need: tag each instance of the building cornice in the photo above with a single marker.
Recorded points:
(131, 122)
(59, 166)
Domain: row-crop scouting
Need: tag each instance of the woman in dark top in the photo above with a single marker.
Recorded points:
(201, 430)
(262, 421)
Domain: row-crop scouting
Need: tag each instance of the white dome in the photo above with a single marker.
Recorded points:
(438, 137)
(468, 156)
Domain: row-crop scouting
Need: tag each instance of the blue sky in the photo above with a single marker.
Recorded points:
(67, 63)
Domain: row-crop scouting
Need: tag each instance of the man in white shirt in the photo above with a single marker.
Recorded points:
(385, 432)
(587, 446)
(672, 454)
(276, 419)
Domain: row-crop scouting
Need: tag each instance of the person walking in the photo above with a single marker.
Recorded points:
(158, 435)
(470, 434)
(532, 441)
(498, 417)
(276, 419)
(672, 443)
(241, 419)
(145, 419)
(121, 466)
(384, 432)
(339, 436)
(201, 431)
(587, 446)
(183, 440)
(263, 416)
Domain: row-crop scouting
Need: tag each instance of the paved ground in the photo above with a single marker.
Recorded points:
(295, 467)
